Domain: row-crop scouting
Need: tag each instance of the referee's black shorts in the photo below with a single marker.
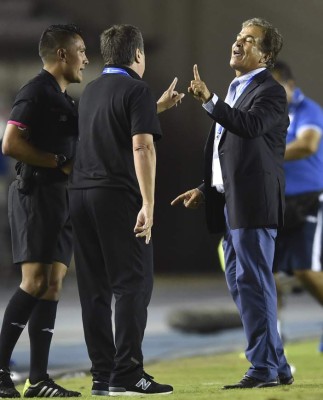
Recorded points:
(40, 225)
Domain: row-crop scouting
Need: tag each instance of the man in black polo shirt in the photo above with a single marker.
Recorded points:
(112, 202)
(41, 134)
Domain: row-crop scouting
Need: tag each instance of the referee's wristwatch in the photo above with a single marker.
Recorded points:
(61, 160)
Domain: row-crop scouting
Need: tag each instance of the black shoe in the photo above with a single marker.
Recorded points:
(286, 380)
(247, 382)
(100, 388)
(145, 385)
(47, 388)
(7, 388)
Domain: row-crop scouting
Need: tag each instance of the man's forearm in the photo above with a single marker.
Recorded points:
(145, 166)
(16, 146)
(304, 145)
(297, 150)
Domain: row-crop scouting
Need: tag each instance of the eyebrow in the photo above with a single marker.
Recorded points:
(247, 36)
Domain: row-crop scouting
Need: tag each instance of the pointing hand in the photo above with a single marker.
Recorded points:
(198, 88)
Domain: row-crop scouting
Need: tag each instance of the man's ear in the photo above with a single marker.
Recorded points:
(61, 54)
(265, 58)
(138, 56)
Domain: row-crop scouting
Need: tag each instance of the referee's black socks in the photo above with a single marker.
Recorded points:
(41, 328)
(15, 318)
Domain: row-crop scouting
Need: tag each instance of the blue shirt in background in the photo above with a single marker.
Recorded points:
(305, 175)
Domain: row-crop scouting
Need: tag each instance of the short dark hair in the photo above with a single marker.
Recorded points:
(119, 44)
(283, 70)
(272, 42)
(55, 37)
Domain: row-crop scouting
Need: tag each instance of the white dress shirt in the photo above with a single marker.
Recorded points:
(241, 83)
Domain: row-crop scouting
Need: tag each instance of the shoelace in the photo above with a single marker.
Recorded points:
(147, 375)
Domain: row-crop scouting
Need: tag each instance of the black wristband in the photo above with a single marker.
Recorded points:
(61, 160)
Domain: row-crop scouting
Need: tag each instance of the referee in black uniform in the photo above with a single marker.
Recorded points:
(41, 134)
(112, 202)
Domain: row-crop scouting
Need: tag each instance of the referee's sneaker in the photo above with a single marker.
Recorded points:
(47, 388)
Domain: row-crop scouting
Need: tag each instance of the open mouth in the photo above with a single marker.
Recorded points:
(237, 53)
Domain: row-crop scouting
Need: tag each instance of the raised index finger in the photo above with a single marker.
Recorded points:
(178, 199)
(196, 73)
(172, 85)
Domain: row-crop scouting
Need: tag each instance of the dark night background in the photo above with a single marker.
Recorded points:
(177, 34)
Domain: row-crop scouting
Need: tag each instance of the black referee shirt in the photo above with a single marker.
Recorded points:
(49, 114)
(112, 109)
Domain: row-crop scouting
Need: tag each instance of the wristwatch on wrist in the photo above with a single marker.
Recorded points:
(61, 160)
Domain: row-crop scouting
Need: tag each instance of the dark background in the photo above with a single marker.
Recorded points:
(177, 34)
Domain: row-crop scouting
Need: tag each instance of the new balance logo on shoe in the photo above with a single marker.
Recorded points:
(143, 383)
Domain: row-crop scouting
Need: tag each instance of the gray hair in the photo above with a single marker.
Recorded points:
(272, 42)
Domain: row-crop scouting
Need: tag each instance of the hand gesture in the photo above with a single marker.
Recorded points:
(144, 222)
(198, 87)
(169, 98)
(191, 199)
(67, 168)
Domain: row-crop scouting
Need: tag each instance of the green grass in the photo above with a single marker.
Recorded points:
(201, 378)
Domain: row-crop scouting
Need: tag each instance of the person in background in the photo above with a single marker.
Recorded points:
(41, 134)
(299, 243)
(243, 191)
(112, 205)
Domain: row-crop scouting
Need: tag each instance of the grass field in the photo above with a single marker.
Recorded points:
(201, 378)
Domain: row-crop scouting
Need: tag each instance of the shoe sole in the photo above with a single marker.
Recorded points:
(43, 393)
(289, 382)
(99, 392)
(269, 384)
(128, 393)
(260, 386)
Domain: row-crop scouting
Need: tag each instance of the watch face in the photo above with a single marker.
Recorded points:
(60, 159)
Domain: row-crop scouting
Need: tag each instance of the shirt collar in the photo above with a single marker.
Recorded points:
(51, 78)
(130, 71)
(246, 77)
